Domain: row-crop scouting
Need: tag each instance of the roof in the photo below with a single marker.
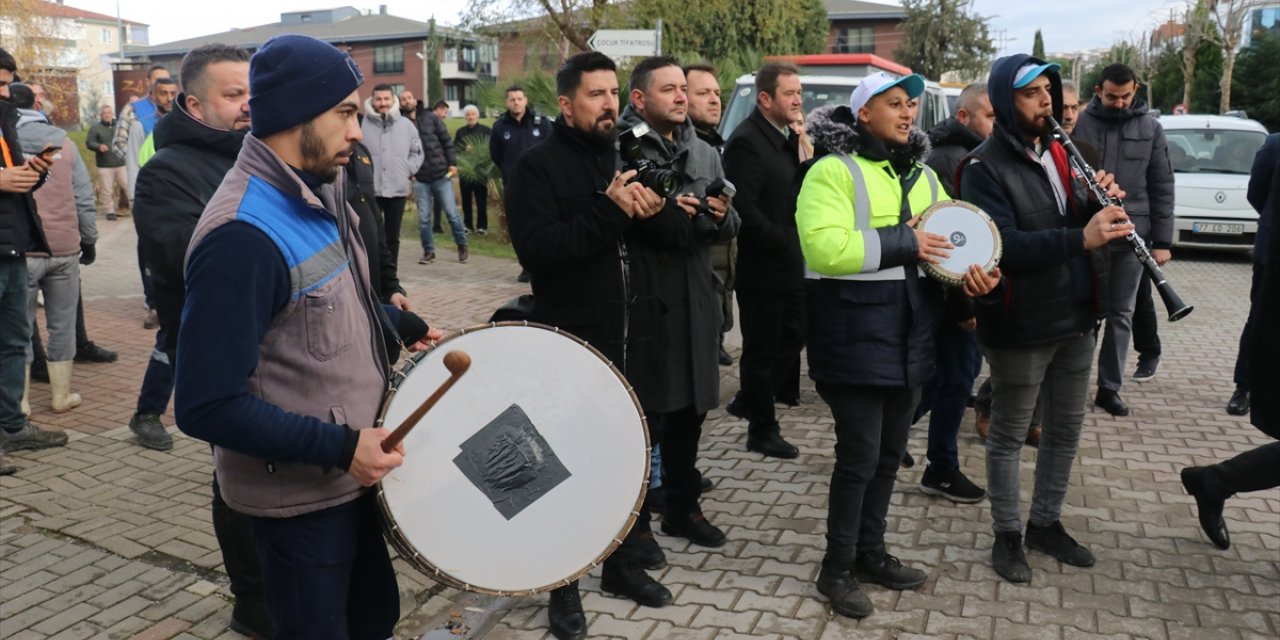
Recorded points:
(856, 10)
(363, 28)
(59, 10)
(1206, 121)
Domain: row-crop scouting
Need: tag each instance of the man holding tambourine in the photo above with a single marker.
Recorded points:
(872, 315)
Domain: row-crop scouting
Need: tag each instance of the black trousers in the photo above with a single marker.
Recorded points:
(1146, 329)
(479, 192)
(1254, 470)
(1241, 376)
(679, 433)
(871, 436)
(392, 215)
(773, 329)
(240, 557)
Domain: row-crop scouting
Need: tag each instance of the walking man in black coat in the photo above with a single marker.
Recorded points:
(591, 240)
(761, 158)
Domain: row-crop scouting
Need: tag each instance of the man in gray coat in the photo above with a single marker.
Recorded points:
(396, 148)
(1132, 146)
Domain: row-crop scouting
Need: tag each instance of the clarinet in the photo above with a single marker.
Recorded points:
(1172, 302)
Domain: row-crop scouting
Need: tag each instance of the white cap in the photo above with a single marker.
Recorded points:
(880, 82)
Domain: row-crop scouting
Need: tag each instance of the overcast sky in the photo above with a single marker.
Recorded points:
(1068, 25)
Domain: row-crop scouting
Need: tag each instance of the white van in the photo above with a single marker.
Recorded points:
(1211, 158)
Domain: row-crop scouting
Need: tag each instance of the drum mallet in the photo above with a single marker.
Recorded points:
(457, 362)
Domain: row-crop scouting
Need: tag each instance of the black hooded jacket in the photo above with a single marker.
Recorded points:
(20, 228)
(437, 147)
(951, 142)
(1051, 285)
(173, 188)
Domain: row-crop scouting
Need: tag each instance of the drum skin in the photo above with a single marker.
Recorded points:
(973, 232)
(528, 473)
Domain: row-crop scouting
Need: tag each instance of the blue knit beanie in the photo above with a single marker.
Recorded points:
(293, 79)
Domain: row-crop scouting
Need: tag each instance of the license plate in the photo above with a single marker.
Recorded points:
(1220, 228)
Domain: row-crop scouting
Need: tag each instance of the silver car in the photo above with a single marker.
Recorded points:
(1211, 157)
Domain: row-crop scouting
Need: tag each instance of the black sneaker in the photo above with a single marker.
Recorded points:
(843, 591)
(150, 432)
(647, 552)
(1055, 541)
(623, 577)
(1008, 557)
(876, 565)
(1239, 403)
(693, 527)
(735, 408)
(30, 438)
(1145, 371)
(1208, 506)
(565, 615)
(90, 352)
(952, 485)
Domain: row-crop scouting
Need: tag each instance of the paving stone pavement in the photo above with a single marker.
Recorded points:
(105, 539)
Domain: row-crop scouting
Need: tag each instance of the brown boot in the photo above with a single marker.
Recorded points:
(1033, 436)
(983, 422)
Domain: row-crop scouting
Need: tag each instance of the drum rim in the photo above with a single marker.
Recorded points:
(947, 277)
(410, 554)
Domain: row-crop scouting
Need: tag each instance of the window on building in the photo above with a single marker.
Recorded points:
(388, 59)
(452, 93)
(855, 40)
(468, 60)
(105, 35)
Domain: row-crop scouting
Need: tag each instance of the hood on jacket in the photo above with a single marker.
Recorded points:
(833, 130)
(1137, 109)
(951, 132)
(372, 114)
(180, 127)
(37, 134)
(1000, 91)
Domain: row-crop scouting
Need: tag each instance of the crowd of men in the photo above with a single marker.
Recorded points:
(268, 239)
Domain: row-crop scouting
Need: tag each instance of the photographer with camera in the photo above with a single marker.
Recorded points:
(592, 238)
(657, 138)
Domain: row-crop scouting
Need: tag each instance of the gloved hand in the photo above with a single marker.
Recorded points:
(88, 253)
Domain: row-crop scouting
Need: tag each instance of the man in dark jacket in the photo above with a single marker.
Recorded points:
(516, 131)
(656, 126)
(112, 177)
(1261, 196)
(592, 240)
(464, 139)
(959, 359)
(1133, 148)
(760, 158)
(20, 232)
(196, 145)
(433, 183)
(1037, 328)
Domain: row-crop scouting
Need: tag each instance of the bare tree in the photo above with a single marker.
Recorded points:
(1199, 30)
(31, 36)
(570, 21)
(1230, 17)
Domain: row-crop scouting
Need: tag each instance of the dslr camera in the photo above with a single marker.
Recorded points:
(704, 224)
(661, 177)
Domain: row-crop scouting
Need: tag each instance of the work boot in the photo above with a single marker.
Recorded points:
(463, 253)
(1008, 558)
(150, 431)
(693, 527)
(735, 408)
(768, 440)
(427, 257)
(874, 564)
(952, 485)
(1054, 540)
(60, 385)
(90, 352)
(623, 577)
(843, 592)
(1111, 403)
(1209, 506)
(30, 438)
(564, 614)
(647, 552)
(1239, 403)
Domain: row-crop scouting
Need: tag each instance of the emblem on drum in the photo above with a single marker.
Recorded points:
(957, 238)
(510, 462)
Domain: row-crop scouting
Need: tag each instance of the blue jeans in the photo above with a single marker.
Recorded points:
(441, 190)
(946, 394)
(15, 336)
(1057, 375)
(327, 573)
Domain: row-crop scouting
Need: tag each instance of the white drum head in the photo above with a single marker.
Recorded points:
(972, 232)
(527, 472)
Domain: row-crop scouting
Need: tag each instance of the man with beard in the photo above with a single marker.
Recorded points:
(195, 148)
(656, 125)
(871, 315)
(283, 361)
(1133, 148)
(396, 148)
(761, 158)
(1037, 327)
(591, 239)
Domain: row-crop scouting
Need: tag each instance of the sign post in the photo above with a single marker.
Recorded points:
(625, 43)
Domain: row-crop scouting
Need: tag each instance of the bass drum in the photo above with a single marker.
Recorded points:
(528, 473)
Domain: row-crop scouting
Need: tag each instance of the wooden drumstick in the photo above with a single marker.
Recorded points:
(457, 362)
